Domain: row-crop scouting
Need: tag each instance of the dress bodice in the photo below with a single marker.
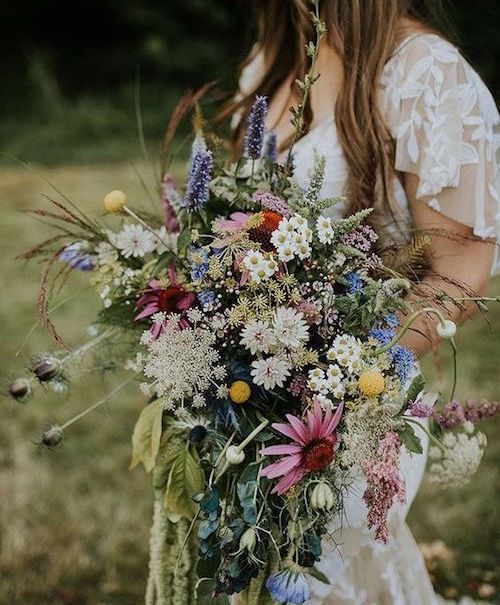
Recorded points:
(442, 118)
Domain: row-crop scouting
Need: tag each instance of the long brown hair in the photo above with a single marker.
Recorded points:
(364, 33)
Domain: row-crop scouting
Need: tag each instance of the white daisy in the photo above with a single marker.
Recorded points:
(324, 230)
(134, 240)
(290, 328)
(257, 336)
(270, 372)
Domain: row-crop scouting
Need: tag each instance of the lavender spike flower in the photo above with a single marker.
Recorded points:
(200, 174)
(77, 258)
(254, 140)
(271, 148)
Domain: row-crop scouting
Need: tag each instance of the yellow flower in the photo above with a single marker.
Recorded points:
(239, 392)
(371, 383)
(114, 201)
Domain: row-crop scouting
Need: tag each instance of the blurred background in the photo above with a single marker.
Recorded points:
(74, 522)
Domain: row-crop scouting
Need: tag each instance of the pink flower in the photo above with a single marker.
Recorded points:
(311, 450)
(234, 227)
(384, 484)
(172, 299)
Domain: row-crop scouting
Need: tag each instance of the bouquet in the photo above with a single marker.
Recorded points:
(266, 337)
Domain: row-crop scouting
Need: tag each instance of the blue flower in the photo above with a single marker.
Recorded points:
(206, 297)
(383, 335)
(200, 174)
(404, 362)
(354, 282)
(254, 140)
(289, 586)
(392, 320)
(77, 258)
(271, 148)
(198, 258)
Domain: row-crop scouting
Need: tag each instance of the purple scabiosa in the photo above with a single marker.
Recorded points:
(200, 174)
(289, 586)
(77, 258)
(271, 148)
(254, 140)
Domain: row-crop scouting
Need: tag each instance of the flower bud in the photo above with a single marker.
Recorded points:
(198, 433)
(446, 328)
(53, 436)
(248, 540)
(46, 369)
(234, 455)
(114, 201)
(20, 389)
(322, 497)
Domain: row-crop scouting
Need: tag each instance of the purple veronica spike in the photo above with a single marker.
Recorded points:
(289, 586)
(254, 140)
(200, 173)
(271, 148)
(77, 258)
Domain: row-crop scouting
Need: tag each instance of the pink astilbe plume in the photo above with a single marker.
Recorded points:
(311, 450)
(385, 483)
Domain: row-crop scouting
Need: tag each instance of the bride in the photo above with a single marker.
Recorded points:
(406, 127)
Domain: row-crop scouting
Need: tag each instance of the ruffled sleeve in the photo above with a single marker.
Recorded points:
(443, 118)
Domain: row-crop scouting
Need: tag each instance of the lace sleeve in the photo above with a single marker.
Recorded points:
(443, 117)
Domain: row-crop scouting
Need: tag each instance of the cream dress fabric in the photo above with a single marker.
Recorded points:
(442, 118)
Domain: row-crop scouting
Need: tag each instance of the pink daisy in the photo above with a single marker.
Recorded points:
(311, 450)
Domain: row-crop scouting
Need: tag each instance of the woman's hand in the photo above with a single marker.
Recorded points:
(460, 265)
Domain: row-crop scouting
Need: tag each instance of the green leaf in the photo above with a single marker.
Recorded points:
(184, 481)
(410, 439)
(184, 240)
(147, 436)
(318, 575)
(415, 388)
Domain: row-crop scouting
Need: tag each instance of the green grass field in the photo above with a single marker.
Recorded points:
(74, 522)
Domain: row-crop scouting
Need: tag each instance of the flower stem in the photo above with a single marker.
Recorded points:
(427, 432)
(253, 434)
(146, 226)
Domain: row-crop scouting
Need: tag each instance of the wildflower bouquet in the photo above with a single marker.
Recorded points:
(268, 336)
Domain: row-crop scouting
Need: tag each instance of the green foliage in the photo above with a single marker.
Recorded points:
(147, 436)
(410, 439)
(185, 480)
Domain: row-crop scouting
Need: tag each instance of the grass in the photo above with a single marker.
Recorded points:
(74, 522)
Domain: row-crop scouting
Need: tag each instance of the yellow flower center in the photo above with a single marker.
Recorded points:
(239, 392)
(371, 383)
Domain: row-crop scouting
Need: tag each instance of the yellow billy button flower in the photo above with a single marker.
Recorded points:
(114, 201)
(239, 392)
(371, 383)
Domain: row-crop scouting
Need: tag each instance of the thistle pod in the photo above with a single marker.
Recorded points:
(322, 497)
(248, 540)
(46, 369)
(53, 436)
(198, 433)
(234, 455)
(446, 329)
(20, 389)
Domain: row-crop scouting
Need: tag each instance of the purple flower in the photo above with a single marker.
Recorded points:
(271, 148)
(383, 335)
(361, 239)
(451, 415)
(77, 258)
(419, 409)
(272, 202)
(169, 194)
(254, 140)
(289, 586)
(200, 174)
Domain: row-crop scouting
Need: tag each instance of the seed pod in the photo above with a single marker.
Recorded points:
(248, 540)
(53, 436)
(46, 369)
(234, 455)
(446, 329)
(20, 389)
(322, 497)
(198, 433)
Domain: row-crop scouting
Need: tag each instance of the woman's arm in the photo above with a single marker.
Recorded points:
(459, 264)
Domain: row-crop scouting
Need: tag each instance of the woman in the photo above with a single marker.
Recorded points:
(406, 127)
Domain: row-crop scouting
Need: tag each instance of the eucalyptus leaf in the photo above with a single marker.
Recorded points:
(147, 436)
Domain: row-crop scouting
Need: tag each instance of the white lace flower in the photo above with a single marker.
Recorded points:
(134, 240)
(289, 328)
(455, 466)
(270, 372)
(257, 336)
(166, 240)
(106, 253)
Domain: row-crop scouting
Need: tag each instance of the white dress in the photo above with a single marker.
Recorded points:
(442, 118)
